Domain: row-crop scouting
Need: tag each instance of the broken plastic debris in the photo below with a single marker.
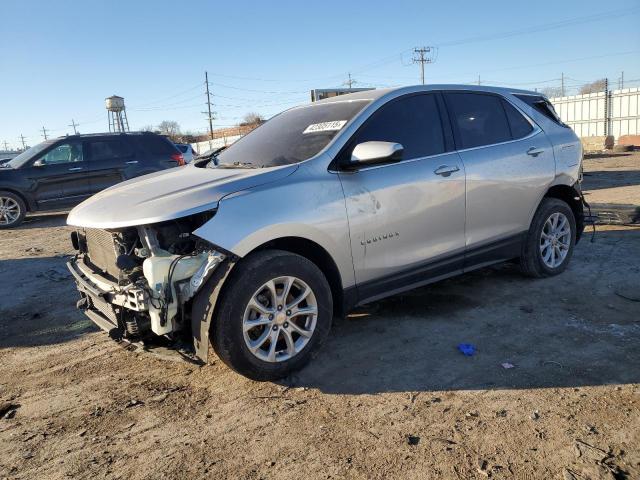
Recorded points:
(467, 349)
(507, 365)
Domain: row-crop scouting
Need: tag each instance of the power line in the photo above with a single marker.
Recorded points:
(542, 27)
(169, 97)
(423, 55)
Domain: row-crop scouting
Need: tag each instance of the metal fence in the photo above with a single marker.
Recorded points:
(201, 147)
(612, 112)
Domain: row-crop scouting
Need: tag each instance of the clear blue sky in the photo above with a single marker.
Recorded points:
(60, 59)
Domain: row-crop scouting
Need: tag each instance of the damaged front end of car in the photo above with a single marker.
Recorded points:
(141, 281)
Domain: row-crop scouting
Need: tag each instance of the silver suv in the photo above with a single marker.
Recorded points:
(328, 206)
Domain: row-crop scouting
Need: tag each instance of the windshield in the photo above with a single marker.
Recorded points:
(291, 137)
(27, 155)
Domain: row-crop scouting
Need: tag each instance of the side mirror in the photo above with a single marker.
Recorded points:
(39, 163)
(375, 153)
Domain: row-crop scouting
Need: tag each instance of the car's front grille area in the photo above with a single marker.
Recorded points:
(102, 251)
(105, 309)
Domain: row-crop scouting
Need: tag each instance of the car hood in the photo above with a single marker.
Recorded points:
(168, 195)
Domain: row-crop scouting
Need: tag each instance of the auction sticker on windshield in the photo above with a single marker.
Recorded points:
(325, 126)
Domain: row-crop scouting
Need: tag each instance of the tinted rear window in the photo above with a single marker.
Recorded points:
(520, 126)
(109, 149)
(543, 106)
(480, 119)
(154, 144)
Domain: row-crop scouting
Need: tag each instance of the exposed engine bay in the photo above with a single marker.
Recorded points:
(141, 280)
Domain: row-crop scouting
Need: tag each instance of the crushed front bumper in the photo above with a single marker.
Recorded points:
(103, 300)
(121, 310)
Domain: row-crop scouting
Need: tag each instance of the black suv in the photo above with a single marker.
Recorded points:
(60, 173)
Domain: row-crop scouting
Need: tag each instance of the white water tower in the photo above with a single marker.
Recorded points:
(117, 114)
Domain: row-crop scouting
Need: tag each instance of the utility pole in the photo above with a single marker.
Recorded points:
(208, 112)
(479, 83)
(6, 148)
(607, 109)
(74, 125)
(423, 55)
(349, 83)
(562, 84)
(44, 133)
(24, 145)
(621, 80)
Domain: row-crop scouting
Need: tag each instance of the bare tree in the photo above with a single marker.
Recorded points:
(147, 128)
(552, 92)
(595, 86)
(252, 118)
(169, 128)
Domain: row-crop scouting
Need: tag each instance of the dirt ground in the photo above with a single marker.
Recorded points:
(613, 179)
(388, 396)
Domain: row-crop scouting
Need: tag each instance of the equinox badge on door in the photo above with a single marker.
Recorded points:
(379, 238)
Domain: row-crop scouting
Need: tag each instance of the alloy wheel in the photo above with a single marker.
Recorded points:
(280, 319)
(555, 240)
(9, 211)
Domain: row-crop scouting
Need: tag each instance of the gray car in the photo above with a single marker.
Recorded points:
(328, 206)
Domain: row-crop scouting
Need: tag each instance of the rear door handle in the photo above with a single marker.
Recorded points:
(446, 170)
(75, 169)
(132, 162)
(534, 152)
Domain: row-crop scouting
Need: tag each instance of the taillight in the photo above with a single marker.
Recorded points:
(178, 157)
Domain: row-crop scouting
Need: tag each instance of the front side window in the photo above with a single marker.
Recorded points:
(412, 121)
(63, 153)
(480, 119)
(291, 137)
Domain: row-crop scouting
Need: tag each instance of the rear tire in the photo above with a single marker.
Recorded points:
(550, 241)
(264, 300)
(12, 210)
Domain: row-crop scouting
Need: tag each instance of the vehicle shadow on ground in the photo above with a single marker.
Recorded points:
(37, 220)
(548, 333)
(38, 303)
(596, 180)
(606, 155)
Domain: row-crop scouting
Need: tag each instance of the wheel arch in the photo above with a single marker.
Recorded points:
(204, 307)
(27, 202)
(316, 254)
(572, 196)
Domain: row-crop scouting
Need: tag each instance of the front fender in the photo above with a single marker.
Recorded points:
(308, 204)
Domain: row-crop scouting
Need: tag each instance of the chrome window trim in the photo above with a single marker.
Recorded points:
(391, 164)
(536, 131)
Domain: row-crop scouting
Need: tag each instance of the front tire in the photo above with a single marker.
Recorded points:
(12, 210)
(274, 312)
(550, 241)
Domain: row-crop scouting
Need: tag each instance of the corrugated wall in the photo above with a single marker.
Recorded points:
(615, 113)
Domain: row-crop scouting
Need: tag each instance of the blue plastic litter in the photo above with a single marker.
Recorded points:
(467, 349)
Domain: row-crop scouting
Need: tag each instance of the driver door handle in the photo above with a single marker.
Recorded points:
(446, 170)
(75, 169)
(534, 152)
